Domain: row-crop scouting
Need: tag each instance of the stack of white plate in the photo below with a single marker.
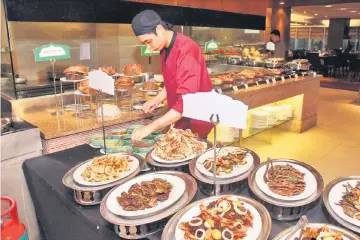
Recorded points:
(273, 112)
(259, 119)
(224, 134)
(288, 109)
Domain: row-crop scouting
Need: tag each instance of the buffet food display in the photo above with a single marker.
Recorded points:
(75, 73)
(222, 217)
(178, 145)
(316, 231)
(342, 200)
(288, 197)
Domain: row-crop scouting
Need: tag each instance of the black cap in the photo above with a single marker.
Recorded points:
(147, 21)
(275, 32)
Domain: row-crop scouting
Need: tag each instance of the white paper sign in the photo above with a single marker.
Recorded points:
(85, 51)
(246, 86)
(220, 90)
(282, 79)
(235, 88)
(273, 80)
(201, 106)
(101, 81)
(314, 74)
(267, 81)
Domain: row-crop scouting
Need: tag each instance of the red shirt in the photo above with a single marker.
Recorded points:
(184, 69)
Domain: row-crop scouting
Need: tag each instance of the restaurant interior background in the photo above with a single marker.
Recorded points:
(322, 131)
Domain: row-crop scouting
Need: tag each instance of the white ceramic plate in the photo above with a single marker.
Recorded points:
(175, 194)
(157, 90)
(139, 107)
(335, 195)
(313, 225)
(160, 160)
(311, 183)
(80, 180)
(141, 74)
(252, 233)
(236, 171)
(63, 79)
(94, 146)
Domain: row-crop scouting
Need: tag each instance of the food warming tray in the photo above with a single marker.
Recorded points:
(225, 186)
(286, 210)
(151, 225)
(169, 230)
(332, 213)
(85, 195)
(349, 235)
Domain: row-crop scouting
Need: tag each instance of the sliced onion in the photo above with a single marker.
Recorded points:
(355, 216)
(223, 206)
(239, 211)
(195, 221)
(239, 223)
(230, 232)
(202, 236)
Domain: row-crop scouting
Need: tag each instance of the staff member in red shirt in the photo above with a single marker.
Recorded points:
(183, 67)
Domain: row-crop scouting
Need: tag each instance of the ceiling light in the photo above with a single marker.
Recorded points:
(342, 8)
(316, 14)
(282, 3)
(304, 11)
(328, 6)
(352, 11)
(326, 16)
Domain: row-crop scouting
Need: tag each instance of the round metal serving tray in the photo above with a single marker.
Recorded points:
(226, 186)
(348, 234)
(170, 229)
(332, 213)
(147, 226)
(286, 210)
(182, 166)
(93, 195)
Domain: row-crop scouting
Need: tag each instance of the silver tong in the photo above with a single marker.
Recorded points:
(301, 224)
(268, 163)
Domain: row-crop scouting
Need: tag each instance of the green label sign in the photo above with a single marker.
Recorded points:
(212, 45)
(51, 51)
(145, 52)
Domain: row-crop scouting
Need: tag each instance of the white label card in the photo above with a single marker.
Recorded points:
(282, 79)
(296, 76)
(246, 86)
(101, 81)
(314, 74)
(267, 81)
(273, 80)
(235, 88)
(220, 91)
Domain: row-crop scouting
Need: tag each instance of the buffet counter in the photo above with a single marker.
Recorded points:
(66, 131)
(57, 211)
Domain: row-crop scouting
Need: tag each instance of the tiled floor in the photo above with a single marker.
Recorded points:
(333, 147)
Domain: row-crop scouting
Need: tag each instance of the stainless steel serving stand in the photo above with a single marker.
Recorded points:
(181, 166)
(226, 186)
(85, 195)
(334, 216)
(349, 235)
(149, 225)
(170, 229)
(286, 210)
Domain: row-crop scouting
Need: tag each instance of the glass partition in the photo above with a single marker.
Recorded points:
(94, 45)
(7, 78)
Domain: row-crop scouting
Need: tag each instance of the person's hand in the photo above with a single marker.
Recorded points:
(150, 105)
(140, 133)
